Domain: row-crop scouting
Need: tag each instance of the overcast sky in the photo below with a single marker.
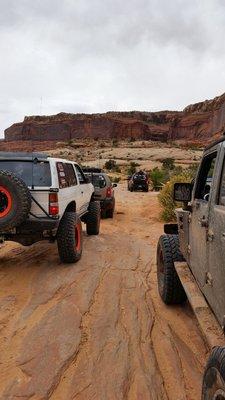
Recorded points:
(99, 55)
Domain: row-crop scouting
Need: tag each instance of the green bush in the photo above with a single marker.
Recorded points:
(158, 177)
(166, 195)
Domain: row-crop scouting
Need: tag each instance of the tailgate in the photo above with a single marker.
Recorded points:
(42, 198)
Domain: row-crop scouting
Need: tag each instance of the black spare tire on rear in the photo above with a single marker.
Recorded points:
(15, 201)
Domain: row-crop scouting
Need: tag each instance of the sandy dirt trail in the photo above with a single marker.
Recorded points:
(96, 329)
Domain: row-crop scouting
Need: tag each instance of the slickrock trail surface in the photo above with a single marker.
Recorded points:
(96, 329)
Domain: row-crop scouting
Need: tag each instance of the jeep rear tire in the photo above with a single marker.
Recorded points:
(93, 218)
(213, 387)
(169, 285)
(70, 238)
(15, 201)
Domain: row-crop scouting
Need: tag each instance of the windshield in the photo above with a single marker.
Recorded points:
(97, 180)
(25, 169)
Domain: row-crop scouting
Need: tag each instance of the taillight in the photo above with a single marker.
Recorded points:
(109, 192)
(53, 204)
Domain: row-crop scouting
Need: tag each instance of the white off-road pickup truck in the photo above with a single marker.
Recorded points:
(46, 198)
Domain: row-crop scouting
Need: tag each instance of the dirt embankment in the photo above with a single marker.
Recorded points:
(97, 329)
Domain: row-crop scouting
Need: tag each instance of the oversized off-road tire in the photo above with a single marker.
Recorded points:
(169, 285)
(70, 238)
(103, 213)
(213, 387)
(93, 218)
(15, 201)
(110, 213)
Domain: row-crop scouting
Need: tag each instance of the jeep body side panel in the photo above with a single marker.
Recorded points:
(199, 220)
(183, 219)
(206, 228)
(216, 243)
(86, 190)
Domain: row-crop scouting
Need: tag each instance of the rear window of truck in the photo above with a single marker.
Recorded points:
(32, 173)
(96, 180)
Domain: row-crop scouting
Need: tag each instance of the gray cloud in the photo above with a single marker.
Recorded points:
(99, 55)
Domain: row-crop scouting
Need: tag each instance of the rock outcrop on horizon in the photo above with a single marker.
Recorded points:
(198, 123)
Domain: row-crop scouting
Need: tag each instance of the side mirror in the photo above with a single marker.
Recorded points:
(87, 179)
(115, 185)
(182, 192)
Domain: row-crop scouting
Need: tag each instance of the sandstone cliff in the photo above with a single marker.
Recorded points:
(199, 122)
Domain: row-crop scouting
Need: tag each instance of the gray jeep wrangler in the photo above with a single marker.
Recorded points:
(198, 238)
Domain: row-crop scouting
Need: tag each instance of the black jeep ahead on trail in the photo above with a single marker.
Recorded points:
(138, 181)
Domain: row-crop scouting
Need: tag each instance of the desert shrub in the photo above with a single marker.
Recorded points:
(111, 165)
(166, 195)
(132, 167)
(192, 169)
(115, 143)
(178, 170)
(158, 177)
(168, 163)
(116, 179)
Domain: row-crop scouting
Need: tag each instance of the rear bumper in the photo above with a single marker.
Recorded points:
(140, 185)
(32, 231)
(39, 225)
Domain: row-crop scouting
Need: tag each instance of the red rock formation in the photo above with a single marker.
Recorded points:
(199, 122)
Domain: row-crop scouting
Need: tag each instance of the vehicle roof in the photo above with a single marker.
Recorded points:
(7, 155)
